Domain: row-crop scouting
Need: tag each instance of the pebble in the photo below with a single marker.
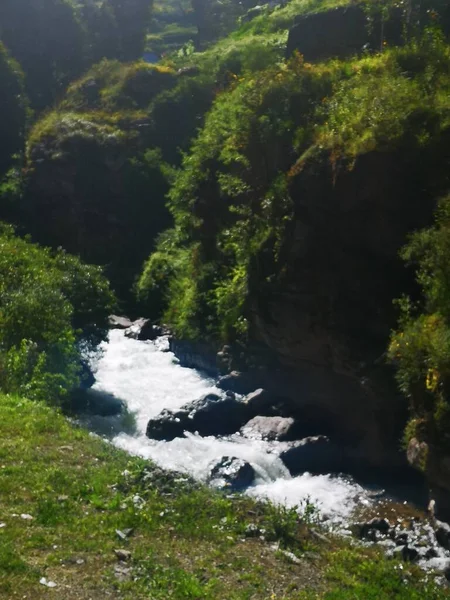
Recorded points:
(49, 584)
(122, 555)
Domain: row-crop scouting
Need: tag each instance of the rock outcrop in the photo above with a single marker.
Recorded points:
(317, 455)
(342, 32)
(143, 330)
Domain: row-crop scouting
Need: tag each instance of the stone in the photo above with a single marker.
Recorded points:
(96, 402)
(122, 555)
(417, 453)
(442, 534)
(233, 473)
(240, 383)
(87, 377)
(270, 428)
(315, 454)
(143, 330)
(210, 415)
(47, 583)
(381, 525)
(123, 535)
(431, 553)
(253, 531)
(117, 322)
(122, 573)
(409, 553)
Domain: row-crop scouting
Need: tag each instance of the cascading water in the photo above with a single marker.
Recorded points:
(148, 378)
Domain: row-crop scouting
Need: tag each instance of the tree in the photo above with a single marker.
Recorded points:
(46, 38)
(132, 18)
(12, 109)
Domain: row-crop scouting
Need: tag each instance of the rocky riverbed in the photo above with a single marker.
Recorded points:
(180, 419)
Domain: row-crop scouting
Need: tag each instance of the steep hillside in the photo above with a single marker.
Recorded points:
(292, 206)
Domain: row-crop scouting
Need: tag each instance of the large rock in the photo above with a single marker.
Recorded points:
(195, 355)
(443, 534)
(270, 428)
(233, 473)
(210, 415)
(315, 454)
(96, 402)
(264, 403)
(118, 322)
(240, 383)
(87, 377)
(143, 330)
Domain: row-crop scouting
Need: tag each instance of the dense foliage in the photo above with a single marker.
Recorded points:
(49, 302)
(13, 109)
(232, 201)
(54, 40)
(421, 346)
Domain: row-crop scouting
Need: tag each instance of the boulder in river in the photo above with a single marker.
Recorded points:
(143, 330)
(315, 454)
(240, 383)
(118, 322)
(210, 415)
(233, 473)
(281, 429)
(263, 403)
(443, 534)
(96, 402)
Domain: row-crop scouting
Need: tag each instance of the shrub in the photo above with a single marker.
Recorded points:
(420, 348)
(48, 302)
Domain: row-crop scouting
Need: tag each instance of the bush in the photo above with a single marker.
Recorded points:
(48, 303)
(420, 348)
(114, 86)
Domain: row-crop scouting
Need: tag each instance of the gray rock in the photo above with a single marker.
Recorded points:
(240, 383)
(443, 534)
(315, 454)
(210, 415)
(143, 330)
(122, 555)
(232, 472)
(270, 428)
(263, 403)
(116, 322)
(96, 402)
(409, 553)
(381, 525)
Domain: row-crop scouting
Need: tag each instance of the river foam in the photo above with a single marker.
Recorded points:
(148, 378)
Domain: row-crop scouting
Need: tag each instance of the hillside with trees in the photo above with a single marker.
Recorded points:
(269, 182)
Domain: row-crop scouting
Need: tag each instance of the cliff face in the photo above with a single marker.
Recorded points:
(349, 30)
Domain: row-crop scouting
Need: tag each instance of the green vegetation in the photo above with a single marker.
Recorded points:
(55, 40)
(231, 201)
(49, 303)
(421, 346)
(187, 541)
(115, 86)
(13, 114)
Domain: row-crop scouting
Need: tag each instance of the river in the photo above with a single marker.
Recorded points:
(148, 378)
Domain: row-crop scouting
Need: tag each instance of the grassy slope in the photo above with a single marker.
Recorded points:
(187, 542)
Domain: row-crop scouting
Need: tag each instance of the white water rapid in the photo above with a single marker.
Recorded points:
(148, 378)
